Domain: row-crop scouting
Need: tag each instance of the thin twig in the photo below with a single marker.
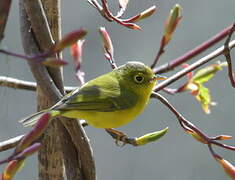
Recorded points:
(10, 143)
(25, 85)
(21, 56)
(17, 84)
(192, 53)
(186, 125)
(100, 9)
(228, 57)
(109, 15)
(159, 53)
(193, 66)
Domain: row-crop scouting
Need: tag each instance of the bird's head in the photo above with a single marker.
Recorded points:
(138, 76)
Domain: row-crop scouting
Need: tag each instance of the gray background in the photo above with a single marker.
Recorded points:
(174, 157)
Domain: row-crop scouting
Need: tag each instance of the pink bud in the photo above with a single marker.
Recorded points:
(36, 132)
(171, 22)
(28, 151)
(11, 169)
(76, 52)
(107, 43)
(69, 39)
(228, 167)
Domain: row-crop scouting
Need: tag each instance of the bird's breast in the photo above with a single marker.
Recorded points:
(111, 119)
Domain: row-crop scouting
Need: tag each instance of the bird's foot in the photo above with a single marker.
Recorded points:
(121, 139)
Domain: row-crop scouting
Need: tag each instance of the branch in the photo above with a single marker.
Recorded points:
(43, 79)
(51, 156)
(24, 85)
(121, 137)
(190, 54)
(12, 142)
(191, 128)
(193, 66)
(17, 84)
(39, 23)
(228, 58)
(44, 33)
(137, 141)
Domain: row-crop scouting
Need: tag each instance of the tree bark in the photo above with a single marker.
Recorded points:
(66, 153)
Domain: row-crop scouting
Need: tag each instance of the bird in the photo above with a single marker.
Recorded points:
(108, 101)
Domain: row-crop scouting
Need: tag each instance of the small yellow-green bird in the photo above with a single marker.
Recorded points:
(108, 101)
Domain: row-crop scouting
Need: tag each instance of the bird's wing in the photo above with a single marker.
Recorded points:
(100, 95)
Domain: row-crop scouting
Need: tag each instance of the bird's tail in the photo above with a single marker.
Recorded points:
(33, 118)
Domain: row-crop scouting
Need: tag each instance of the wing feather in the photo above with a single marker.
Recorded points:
(103, 94)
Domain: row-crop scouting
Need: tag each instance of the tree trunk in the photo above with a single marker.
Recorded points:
(66, 153)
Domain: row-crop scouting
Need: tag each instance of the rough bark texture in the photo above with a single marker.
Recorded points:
(50, 161)
(66, 153)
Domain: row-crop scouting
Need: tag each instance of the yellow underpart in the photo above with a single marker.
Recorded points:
(112, 119)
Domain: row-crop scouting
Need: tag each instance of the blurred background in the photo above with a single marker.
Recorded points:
(176, 156)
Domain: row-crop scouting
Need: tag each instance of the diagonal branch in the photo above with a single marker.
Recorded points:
(192, 53)
(190, 127)
(193, 66)
(10, 143)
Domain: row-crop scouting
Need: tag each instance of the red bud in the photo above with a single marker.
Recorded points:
(36, 132)
(69, 39)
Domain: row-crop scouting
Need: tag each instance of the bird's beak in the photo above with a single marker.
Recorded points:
(158, 77)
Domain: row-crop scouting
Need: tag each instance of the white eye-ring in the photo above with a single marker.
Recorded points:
(139, 78)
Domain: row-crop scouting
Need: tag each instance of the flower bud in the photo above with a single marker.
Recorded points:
(150, 137)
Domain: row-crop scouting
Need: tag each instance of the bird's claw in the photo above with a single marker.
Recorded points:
(118, 136)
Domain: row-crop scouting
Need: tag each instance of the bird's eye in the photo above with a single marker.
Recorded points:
(138, 78)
